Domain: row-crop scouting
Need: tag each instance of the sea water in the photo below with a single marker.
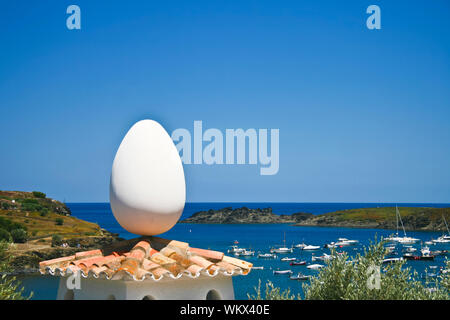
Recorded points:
(258, 237)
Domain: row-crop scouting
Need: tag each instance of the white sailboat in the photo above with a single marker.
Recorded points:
(405, 239)
(311, 247)
(282, 249)
(445, 238)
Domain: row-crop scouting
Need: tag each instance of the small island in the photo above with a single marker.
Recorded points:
(414, 218)
(40, 228)
(245, 215)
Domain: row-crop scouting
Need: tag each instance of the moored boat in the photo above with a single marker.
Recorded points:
(343, 242)
(445, 238)
(267, 255)
(311, 247)
(282, 249)
(405, 239)
(300, 276)
(297, 263)
(288, 259)
(391, 260)
(245, 253)
(282, 271)
(235, 249)
(315, 266)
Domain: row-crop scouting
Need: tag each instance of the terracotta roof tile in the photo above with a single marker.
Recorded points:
(147, 258)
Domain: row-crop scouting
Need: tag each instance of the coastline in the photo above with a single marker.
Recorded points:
(414, 218)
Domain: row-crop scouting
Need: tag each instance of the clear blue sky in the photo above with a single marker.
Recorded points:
(363, 115)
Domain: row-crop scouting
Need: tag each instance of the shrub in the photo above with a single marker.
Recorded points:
(28, 201)
(10, 225)
(59, 221)
(5, 235)
(43, 212)
(5, 205)
(9, 286)
(38, 194)
(272, 293)
(10, 289)
(19, 235)
(31, 207)
(344, 279)
(56, 240)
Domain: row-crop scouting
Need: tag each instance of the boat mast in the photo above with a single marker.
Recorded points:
(445, 221)
(396, 217)
(400, 217)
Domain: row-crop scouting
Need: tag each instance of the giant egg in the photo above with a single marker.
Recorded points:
(147, 188)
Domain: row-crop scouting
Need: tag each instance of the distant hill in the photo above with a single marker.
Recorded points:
(414, 218)
(38, 226)
(42, 216)
(244, 215)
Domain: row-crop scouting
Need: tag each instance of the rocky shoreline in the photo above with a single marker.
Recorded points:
(243, 215)
(414, 218)
(25, 259)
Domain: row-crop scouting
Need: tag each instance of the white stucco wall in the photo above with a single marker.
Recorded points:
(219, 287)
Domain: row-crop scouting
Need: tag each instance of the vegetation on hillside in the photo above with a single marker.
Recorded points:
(414, 218)
(31, 215)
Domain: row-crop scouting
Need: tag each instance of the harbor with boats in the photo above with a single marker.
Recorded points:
(301, 261)
(296, 262)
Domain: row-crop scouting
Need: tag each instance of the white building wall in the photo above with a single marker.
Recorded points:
(219, 287)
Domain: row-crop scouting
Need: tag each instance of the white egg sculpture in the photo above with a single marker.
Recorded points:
(147, 188)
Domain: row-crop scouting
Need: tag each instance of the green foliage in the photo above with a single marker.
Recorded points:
(19, 235)
(30, 204)
(43, 212)
(38, 194)
(59, 221)
(56, 240)
(272, 293)
(4, 256)
(5, 205)
(9, 286)
(10, 289)
(5, 235)
(28, 201)
(10, 225)
(31, 207)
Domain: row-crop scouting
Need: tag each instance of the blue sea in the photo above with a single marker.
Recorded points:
(256, 237)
